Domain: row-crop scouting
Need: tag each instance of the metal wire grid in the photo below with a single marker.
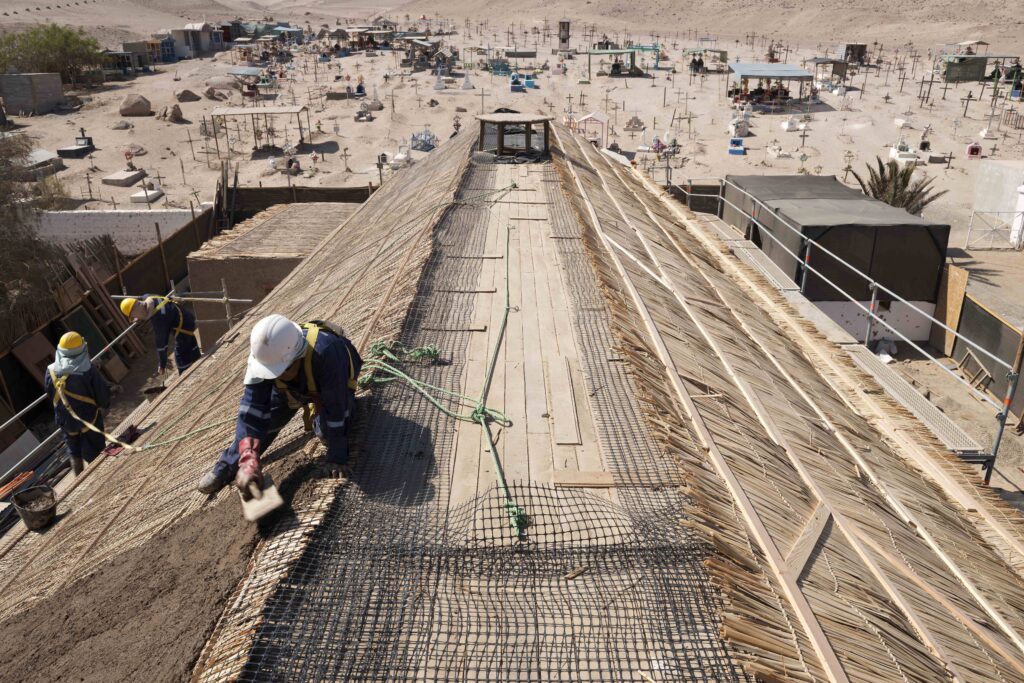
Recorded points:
(388, 592)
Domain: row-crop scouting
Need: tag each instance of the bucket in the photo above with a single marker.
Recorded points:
(36, 506)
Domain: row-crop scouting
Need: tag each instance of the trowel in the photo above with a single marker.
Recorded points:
(261, 502)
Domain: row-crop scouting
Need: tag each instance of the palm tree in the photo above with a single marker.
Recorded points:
(897, 187)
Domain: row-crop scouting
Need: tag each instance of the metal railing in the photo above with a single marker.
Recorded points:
(990, 226)
(1013, 373)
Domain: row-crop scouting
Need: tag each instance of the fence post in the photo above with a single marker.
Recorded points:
(872, 312)
(807, 262)
(227, 303)
(163, 256)
(1011, 388)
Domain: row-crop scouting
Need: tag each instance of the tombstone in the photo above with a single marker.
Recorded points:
(466, 83)
(83, 147)
(124, 178)
(974, 150)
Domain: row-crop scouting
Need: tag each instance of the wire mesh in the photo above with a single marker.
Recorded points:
(391, 592)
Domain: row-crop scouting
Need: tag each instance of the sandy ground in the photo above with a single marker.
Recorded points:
(846, 130)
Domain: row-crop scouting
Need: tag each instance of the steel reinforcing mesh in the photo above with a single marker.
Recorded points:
(390, 592)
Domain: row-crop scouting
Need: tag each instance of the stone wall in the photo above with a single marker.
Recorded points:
(132, 231)
(25, 94)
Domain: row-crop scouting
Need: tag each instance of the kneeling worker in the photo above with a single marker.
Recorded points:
(169, 319)
(72, 378)
(290, 366)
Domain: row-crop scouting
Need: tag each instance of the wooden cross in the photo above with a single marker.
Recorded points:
(803, 137)
(945, 87)
(903, 77)
(483, 93)
(582, 100)
(345, 155)
(967, 101)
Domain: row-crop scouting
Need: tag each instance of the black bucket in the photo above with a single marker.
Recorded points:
(36, 506)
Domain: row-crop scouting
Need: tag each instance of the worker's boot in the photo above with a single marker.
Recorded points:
(77, 465)
(212, 482)
(333, 470)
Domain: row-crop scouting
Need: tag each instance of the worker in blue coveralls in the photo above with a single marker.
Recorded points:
(73, 384)
(169, 319)
(291, 366)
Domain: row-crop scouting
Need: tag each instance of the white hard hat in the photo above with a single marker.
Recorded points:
(274, 343)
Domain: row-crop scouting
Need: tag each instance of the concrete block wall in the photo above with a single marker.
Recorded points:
(30, 93)
(132, 231)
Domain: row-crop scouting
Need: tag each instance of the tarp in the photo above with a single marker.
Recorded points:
(906, 253)
(245, 71)
(785, 72)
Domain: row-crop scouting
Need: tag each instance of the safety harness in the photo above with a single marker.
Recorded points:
(312, 330)
(181, 315)
(60, 389)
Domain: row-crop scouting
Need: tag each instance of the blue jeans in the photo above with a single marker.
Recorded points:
(88, 444)
(186, 351)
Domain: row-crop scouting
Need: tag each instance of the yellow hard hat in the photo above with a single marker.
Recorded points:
(70, 341)
(127, 305)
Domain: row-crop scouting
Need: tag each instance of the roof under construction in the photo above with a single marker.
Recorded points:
(680, 479)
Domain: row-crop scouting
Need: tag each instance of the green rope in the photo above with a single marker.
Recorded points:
(379, 367)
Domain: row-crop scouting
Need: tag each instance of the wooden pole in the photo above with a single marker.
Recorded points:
(163, 255)
(117, 266)
(195, 226)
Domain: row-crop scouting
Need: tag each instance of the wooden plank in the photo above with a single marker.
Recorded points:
(470, 447)
(537, 415)
(516, 454)
(952, 289)
(589, 479)
(565, 427)
(488, 474)
(805, 543)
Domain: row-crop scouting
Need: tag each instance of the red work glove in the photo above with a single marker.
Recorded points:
(249, 471)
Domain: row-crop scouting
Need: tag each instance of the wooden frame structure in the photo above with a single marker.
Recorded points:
(503, 121)
(224, 113)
